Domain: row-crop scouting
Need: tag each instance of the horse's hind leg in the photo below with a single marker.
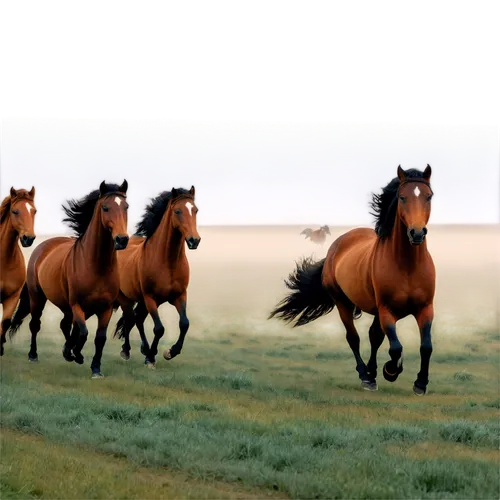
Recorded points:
(141, 314)
(79, 334)
(345, 312)
(65, 326)
(38, 301)
(376, 339)
(180, 305)
(128, 317)
(9, 306)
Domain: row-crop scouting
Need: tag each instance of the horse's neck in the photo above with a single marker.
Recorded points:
(9, 241)
(407, 256)
(97, 246)
(166, 245)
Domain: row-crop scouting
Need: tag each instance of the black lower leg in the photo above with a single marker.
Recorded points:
(99, 342)
(376, 338)
(394, 367)
(79, 338)
(183, 328)
(425, 357)
(35, 325)
(159, 331)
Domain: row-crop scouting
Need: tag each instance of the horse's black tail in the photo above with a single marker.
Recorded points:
(120, 325)
(23, 309)
(309, 299)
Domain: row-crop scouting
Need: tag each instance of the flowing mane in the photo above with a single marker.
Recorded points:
(79, 213)
(385, 205)
(155, 210)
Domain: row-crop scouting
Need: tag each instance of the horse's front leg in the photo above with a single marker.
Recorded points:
(158, 330)
(79, 334)
(100, 339)
(394, 367)
(180, 304)
(424, 320)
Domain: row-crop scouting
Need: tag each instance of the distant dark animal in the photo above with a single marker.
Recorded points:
(154, 269)
(17, 221)
(317, 236)
(387, 272)
(79, 275)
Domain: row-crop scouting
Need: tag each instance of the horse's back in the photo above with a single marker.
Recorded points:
(348, 264)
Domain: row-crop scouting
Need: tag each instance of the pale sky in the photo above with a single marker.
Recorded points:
(255, 173)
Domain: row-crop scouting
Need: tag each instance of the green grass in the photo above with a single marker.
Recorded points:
(248, 418)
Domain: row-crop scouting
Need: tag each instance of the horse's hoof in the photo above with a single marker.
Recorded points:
(369, 385)
(97, 375)
(167, 354)
(151, 366)
(79, 359)
(33, 360)
(125, 356)
(419, 391)
(391, 377)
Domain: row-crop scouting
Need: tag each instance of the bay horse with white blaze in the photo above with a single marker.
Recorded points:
(387, 272)
(17, 221)
(79, 275)
(154, 269)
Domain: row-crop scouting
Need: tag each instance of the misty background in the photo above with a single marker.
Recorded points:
(251, 173)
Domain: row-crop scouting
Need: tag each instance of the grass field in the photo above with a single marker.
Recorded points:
(256, 409)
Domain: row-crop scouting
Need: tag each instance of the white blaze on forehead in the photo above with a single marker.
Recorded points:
(416, 191)
(117, 200)
(29, 208)
(189, 206)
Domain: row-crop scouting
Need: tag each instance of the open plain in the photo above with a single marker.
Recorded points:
(254, 408)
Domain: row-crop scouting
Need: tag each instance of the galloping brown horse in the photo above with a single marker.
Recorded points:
(79, 275)
(318, 236)
(154, 269)
(387, 272)
(17, 220)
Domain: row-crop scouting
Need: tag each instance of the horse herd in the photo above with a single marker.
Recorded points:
(387, 272)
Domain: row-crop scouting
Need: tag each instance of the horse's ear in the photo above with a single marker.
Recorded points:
(123, 188)
(103, 188)
(32, 192)
(191, 191)
(13, 192)
(401, 174)
(427, 172)
(174, 193)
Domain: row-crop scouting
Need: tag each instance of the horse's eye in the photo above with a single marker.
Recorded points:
(15, 212)
(178, 212)
(429, 198)
(402, 198)
(105, 208)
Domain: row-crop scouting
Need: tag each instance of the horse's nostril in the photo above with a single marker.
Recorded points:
(412, 232)
(424, 231)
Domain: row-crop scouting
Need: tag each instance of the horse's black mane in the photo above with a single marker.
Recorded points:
(385, 205)
(155, 210)
(79, 213)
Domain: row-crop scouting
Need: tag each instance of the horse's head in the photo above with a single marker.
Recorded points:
(113, 208)
(22, 214)
(184, 213)
(414, 204)
(326, 229)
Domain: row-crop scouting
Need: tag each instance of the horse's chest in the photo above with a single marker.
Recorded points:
(406, 298)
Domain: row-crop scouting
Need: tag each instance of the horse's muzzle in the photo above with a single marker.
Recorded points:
(193, 243)
(121, 242)
(417, 237)
(27, 241)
